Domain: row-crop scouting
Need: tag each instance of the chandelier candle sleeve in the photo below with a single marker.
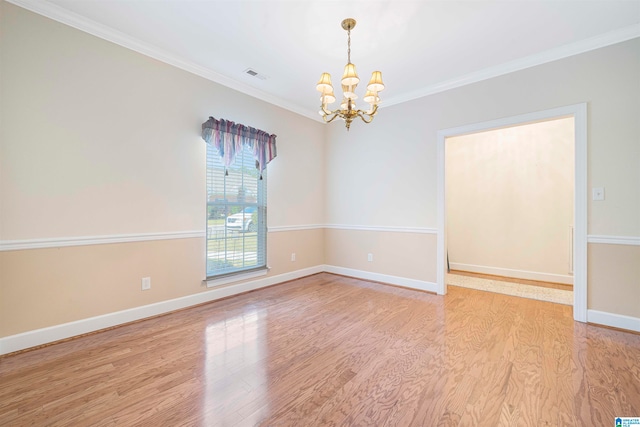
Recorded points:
(349, 82)
(348, 92)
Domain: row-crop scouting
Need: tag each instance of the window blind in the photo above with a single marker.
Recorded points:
(236, 215)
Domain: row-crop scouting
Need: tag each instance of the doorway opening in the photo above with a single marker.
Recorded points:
(577, 242)
(509, 198)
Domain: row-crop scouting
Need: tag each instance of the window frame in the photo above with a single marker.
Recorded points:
(226, 206)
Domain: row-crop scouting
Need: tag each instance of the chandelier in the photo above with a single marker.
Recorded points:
(350, 80)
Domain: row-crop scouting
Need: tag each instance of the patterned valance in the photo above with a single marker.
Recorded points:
(229, 138)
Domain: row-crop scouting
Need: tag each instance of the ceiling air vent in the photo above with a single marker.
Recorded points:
(254, 73)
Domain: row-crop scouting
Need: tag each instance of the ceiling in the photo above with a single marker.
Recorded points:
(421, 47)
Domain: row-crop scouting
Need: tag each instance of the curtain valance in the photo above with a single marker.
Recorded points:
(229, 138)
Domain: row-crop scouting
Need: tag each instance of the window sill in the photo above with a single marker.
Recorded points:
(214, 283)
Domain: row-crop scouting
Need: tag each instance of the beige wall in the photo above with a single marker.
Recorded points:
(396, 254)
(616, 268)
(510, 198)
(97, 140)
(45, 287)
(308, 245)
(394, 182)
(100, 140)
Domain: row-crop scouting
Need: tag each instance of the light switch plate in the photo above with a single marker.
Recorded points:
(598, 193)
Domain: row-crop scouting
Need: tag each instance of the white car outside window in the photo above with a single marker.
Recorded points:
(242, 221)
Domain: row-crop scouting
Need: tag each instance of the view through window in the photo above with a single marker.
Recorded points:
(236, 215)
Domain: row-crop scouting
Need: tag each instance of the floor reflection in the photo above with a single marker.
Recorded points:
(235, 352)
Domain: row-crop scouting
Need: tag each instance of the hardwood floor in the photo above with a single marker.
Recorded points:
(329, 350)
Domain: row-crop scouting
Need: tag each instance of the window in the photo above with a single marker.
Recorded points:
(236, 214)
(237, 157)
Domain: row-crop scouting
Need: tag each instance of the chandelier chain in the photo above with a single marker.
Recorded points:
(348, 46)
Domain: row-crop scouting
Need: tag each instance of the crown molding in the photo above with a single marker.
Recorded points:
(555, 54)
(57, 13)
(79, 22)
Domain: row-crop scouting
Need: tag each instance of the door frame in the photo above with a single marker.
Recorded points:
(580, 191)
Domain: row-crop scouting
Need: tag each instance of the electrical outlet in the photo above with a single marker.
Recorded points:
(293, 256)
(146, 283)
(370, 257)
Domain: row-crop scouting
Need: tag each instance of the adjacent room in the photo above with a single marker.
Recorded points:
(221, 213)
(509, 198)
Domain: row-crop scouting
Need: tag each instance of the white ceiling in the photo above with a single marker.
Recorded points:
(421, 47)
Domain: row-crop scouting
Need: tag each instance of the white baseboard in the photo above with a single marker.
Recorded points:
(517, 274)
(66, 330)
(614, 320)
(384, 278)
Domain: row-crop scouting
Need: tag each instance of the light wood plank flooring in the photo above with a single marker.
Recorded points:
(334, 351)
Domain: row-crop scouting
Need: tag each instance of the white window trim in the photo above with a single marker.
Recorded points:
(214, 283)
(244, 273)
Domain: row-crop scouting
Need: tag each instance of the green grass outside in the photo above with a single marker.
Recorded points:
(236, 243)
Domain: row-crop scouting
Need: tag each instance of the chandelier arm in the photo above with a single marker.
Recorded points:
(362, 114)
(370, 115)
(325, 112)
(335, 116)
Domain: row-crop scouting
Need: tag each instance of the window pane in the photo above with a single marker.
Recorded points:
(236, 215)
